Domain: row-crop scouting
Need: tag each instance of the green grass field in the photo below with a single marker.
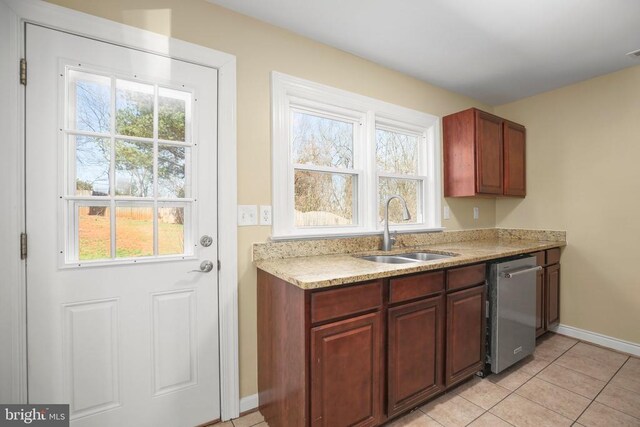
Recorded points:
(134, 237)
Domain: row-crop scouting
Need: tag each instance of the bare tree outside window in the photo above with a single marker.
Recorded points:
(397, 153)
(322, 198)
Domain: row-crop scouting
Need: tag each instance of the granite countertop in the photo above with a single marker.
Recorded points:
(322, 271)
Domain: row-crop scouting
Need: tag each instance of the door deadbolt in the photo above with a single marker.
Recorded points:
(206, 241)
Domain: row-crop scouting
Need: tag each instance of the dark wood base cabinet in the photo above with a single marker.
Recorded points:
(540, 303)
(361, 354)
(346, 359)
(548, 290)
(415, 353)
(465, 334)
(552, 290)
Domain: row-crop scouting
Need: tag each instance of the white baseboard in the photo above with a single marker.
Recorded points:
(595, 338)
(248, 403)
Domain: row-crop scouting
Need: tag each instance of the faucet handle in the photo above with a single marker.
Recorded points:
(392, 236)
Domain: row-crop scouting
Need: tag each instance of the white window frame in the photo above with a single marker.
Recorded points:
(290, 93)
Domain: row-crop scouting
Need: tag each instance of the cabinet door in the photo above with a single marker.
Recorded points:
(552, 291)
(415, 351)
(488, 153)
(346, 375)
(514, 160)
(540, 304)
(465, 334)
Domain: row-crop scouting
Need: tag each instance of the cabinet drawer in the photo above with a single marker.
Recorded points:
(553, 256)
(540, 258)
(416, 286)
(465, 276)
(327, 305)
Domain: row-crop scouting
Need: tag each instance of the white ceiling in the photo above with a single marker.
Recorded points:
(495, 51)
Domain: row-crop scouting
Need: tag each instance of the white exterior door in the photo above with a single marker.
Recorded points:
(120, 188)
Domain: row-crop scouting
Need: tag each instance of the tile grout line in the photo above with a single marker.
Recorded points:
(554, 360)
(594, 360)
(514, 391)
(551, 361)
(566, 389)
(501, 419)
(605, 386)
(610, 407)
(539, 404)
(419, 409)
(456, 394)
(487, 411)
(533, 376)
(580, 372)
(536, 376)
(617, 410)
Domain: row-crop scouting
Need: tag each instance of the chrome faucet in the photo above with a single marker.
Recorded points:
(388, 241)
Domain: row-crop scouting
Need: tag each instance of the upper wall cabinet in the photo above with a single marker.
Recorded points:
(514, 136)
(484, 155)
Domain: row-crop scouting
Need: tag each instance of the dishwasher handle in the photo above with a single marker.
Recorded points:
(511, 274)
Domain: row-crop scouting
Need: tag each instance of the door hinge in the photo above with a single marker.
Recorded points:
(218, 265)
(23, 245)
(23, 71)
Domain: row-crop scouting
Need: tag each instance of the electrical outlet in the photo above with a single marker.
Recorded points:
(265, 215)
(447, 213)
(247, 215)
(476, 213)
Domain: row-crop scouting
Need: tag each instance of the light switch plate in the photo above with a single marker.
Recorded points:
(447, 213)
(247, 215)
(265, 215)
(476, 213)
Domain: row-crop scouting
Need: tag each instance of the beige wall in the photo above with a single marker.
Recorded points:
(261, 48)
(583, 157)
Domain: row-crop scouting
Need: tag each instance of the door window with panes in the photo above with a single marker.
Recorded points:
(128, 162)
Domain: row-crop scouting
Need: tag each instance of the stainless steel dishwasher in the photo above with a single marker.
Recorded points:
(512, 311)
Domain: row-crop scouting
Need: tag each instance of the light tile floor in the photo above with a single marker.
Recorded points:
(564, 383)
(252, 419)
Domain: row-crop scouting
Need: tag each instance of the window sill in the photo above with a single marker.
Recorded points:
(338, 235)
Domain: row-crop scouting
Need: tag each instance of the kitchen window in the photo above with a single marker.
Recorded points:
(337, 156)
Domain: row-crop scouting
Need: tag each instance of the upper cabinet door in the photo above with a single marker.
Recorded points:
(514, 160)
(488, 153)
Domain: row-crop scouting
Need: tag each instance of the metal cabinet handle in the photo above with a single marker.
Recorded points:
(519, 272)
(205, 267)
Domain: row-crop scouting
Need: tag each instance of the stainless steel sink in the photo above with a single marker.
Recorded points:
(406, 258)
(425, 256)
(389, 259)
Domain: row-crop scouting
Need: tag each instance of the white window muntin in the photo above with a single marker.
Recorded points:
(288, 91)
